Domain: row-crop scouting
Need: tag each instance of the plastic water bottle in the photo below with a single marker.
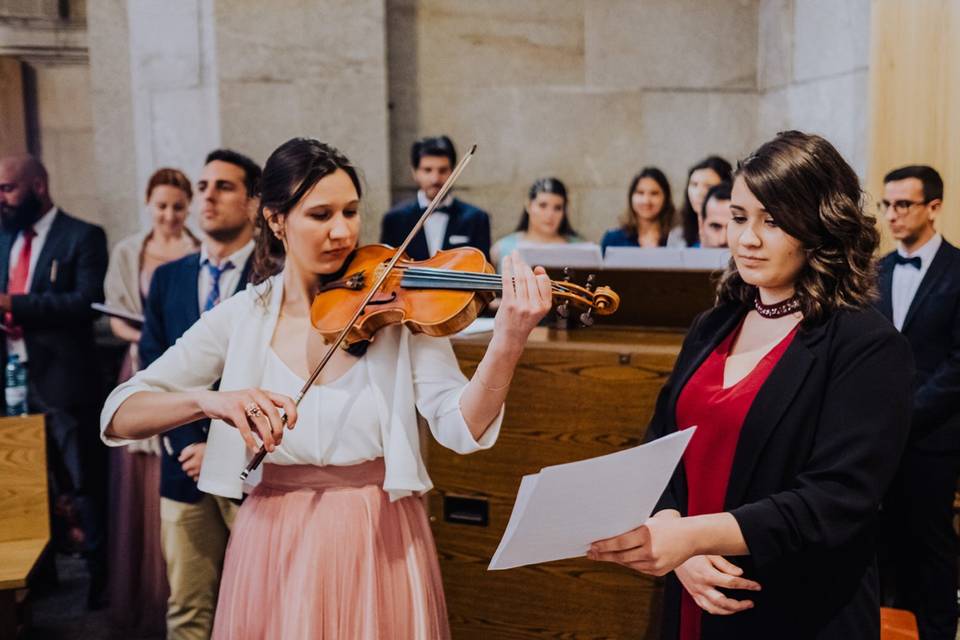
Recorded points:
(16, 386)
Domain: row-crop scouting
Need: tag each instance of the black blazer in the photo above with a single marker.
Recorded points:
(56, 316)
(818, 448)
(932, 326)
(468, 226)
(172, 307)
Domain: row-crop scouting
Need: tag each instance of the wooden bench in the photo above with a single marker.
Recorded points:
(24, 510)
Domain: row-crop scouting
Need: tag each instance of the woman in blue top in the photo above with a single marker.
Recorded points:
(544, 220)
(646, 221)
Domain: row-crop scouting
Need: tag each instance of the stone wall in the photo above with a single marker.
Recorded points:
(813, 71)
(587, 91)
(66, 137)
(289, 68)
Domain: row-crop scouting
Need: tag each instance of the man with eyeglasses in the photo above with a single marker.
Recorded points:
(920, 293)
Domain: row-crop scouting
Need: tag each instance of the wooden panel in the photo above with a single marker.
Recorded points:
(914, 96)
(13, 123)
(653, 297)
(17, 558)
(24, 507)
(576, 395)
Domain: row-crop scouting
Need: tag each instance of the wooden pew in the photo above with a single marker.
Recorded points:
(576, 394)
(24, 509)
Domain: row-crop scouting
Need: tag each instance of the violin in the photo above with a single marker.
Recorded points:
(439, 296)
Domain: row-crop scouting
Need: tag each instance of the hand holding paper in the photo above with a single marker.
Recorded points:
(560, 511)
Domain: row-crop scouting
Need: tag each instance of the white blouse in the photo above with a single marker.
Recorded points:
(338, 423)
(408, 374)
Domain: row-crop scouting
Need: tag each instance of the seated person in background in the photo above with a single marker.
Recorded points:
(715, 216)
(646, 221)
(702, 177)
(544, 220)
(454, 224)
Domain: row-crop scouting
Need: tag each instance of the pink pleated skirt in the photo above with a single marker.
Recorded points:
(321, 552)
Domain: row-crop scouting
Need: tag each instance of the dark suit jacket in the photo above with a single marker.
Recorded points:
(56, 316)
(172, 307)
(932, 326)
(468, 226)
(818, 448)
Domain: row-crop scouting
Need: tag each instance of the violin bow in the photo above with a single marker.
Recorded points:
(437, 199)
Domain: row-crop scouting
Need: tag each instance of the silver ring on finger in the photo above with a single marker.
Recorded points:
(253, 410)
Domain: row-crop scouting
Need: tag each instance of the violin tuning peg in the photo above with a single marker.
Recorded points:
(590, 282)
(586, 318)
(563, 310)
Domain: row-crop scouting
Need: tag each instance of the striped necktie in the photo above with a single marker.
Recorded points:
(213, 298)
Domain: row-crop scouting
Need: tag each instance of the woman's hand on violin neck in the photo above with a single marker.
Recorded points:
(526, 298)
(252, 412)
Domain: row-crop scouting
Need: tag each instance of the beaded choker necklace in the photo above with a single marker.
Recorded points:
(777, 309)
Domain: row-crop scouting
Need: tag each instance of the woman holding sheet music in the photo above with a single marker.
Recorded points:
(800, 393)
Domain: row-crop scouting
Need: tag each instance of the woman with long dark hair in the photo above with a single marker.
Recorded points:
(544, 220)
(800, 394)
(701, 177)
(333, 542)
(646, 220)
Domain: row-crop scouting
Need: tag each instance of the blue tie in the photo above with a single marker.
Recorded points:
(213, 298)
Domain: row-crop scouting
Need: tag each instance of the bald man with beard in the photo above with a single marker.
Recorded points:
(52, 267)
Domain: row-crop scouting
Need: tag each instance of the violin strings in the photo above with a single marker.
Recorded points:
(425, 276)
(475, 277)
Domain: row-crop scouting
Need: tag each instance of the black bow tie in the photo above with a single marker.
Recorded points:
(913, 262)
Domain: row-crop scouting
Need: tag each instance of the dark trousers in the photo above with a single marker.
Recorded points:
(77, 464)
(920, 563)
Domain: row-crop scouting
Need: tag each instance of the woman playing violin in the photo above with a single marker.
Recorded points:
(333, 542)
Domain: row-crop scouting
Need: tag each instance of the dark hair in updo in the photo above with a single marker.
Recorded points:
(291, 171)
(814, 196)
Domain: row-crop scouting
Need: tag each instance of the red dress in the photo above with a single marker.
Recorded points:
(718, 414)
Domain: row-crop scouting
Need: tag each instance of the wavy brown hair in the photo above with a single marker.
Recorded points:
(814, 196)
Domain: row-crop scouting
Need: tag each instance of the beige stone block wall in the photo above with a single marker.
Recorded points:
(289, 68)
(587, 91)
(112, 108)
(66, 135)
(813, 72)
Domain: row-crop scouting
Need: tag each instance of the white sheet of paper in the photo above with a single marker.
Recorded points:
(564, 508)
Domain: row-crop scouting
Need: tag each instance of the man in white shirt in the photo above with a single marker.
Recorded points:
(920, 293)
(454, 224)
(52, 267)
(195, 525)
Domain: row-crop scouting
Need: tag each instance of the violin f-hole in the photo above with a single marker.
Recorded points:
(380, 299)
